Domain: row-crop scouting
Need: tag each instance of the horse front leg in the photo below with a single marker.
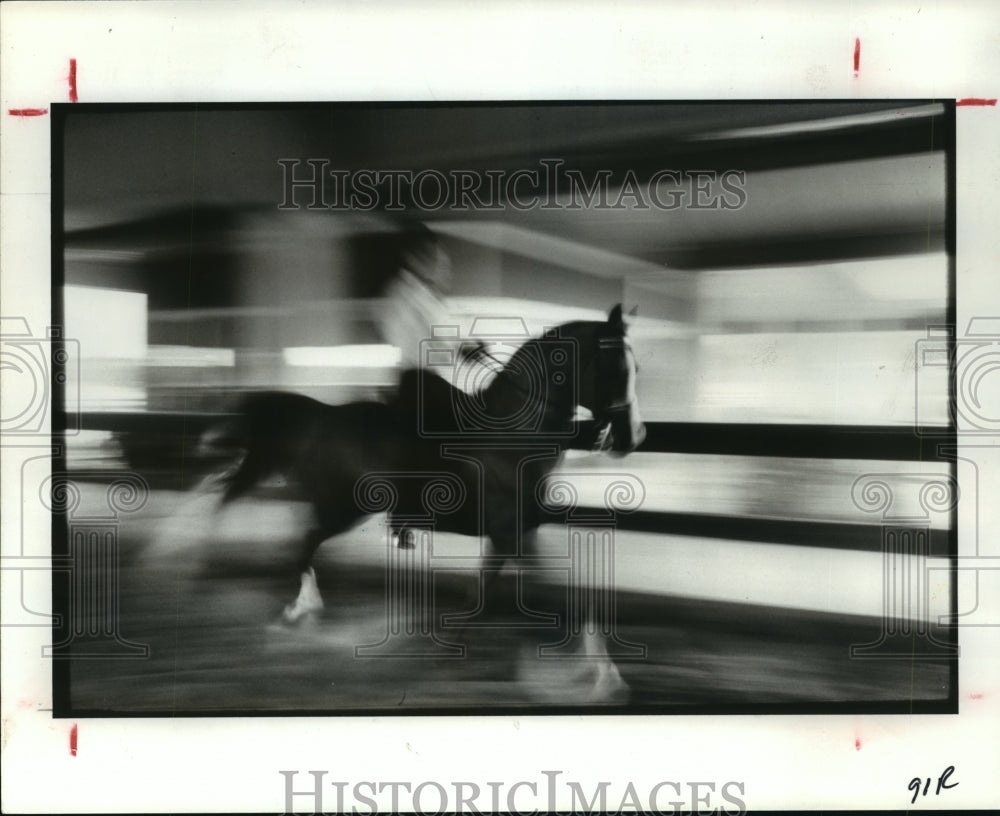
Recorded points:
(500, 602)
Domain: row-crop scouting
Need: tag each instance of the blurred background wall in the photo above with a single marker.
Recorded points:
(798, 313)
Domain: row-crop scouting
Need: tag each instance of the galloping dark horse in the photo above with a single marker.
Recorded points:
(497, 445)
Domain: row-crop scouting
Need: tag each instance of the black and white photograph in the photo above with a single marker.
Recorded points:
(498, 410)
(506, 407)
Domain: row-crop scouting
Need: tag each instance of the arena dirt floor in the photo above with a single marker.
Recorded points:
(205, 595)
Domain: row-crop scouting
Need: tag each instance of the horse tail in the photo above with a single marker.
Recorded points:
(238, 480)
(235, 442)
(226, 445)
(264, 437)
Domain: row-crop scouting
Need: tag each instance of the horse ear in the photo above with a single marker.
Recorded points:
(615, 316)
(634, 310)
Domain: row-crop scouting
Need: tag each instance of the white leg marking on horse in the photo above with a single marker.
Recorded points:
(590, 675)
(608, 684)
(309, 600)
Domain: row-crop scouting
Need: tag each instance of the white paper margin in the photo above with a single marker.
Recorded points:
(255, 51)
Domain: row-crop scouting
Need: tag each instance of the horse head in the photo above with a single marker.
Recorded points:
(607, 388)
(584, 363)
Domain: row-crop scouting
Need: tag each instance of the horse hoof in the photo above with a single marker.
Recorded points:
(282, 627)
(294, 615)
(609, 686)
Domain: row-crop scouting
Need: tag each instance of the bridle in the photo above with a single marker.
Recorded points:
(604, 345)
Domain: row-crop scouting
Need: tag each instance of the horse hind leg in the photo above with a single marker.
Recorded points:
(308, 604)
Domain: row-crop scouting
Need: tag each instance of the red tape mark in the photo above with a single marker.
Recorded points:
(72, 740)
(27, 111)
(857, 55)
(72, 81)
(976, 100)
